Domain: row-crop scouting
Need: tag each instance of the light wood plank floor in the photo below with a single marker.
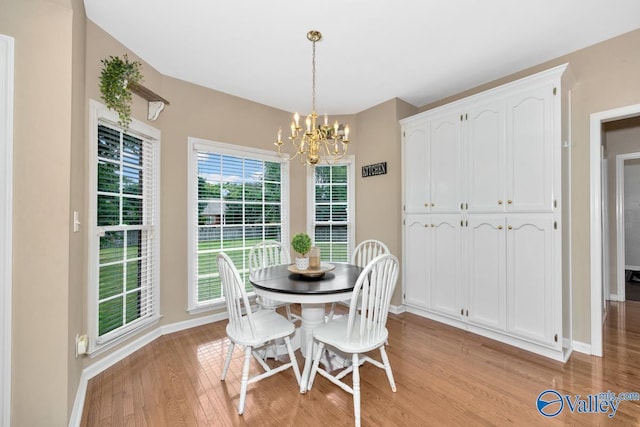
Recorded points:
(444, 376)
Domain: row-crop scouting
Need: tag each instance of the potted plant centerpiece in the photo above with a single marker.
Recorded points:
(301, 243)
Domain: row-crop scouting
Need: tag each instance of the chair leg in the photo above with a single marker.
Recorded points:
(356, 389)
(245, 379)
(287, 307)
(227, 360)
(387, 368)
(316, 362)
(292, 359)
(331, 312)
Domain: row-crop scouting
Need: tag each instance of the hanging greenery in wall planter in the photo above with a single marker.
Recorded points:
(118, 74)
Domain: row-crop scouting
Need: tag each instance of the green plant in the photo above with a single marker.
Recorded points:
(301, 243)
(118, 74)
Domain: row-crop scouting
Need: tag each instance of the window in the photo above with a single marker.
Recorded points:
(238, 196)
(331, 209)
(124, 217)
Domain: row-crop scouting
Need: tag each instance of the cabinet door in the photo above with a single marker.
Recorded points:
(445, 263)
(531, 312)
(416, 257)
(444, 162)
(416, 168)
(486, 271)
(530, 150)
(485, 153)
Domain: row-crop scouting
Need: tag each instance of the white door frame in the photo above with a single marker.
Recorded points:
(6, 209)
(620, 234)
(595, 177)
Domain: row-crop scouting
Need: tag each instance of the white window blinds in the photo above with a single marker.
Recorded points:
(124, 253)
(331, 210)
(238, 198)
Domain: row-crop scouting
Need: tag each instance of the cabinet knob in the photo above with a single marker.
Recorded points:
(499, 227)
(510, 227)
(433, 204)
(499, 202)
(426, 205)
(509, 201)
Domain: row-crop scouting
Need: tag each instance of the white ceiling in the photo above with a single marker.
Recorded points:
(372, 50)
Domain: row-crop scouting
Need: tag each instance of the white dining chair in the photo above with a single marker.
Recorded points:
(361, 255)
(265, 254)
(253, 330)
(363, 330)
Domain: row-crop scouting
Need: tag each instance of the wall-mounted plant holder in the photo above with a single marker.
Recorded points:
(156, 102)
(121, 77)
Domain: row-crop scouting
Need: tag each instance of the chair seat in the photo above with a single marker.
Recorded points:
(268, 326)
(334, 334)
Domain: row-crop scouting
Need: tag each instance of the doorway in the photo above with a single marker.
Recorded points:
(596, 206)
(627, 202)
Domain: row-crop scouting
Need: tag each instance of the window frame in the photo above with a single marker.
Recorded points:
(100, 115)
(194, 146)
(348, 160)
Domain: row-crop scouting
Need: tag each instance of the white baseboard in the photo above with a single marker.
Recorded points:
(582, 347)
(614, 297)
(397, 309)
(113, 358)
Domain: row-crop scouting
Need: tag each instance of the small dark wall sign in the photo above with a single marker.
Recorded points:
(375, 169)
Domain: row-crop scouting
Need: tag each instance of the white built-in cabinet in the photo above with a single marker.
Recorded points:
(482, 213)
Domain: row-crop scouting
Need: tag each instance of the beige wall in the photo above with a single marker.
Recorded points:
(50, 169)
(379, 198)
(41, 259)
(620, 137)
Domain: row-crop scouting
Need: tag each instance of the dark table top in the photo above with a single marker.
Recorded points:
(279, 279)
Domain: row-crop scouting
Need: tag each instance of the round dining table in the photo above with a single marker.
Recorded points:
(312, 291)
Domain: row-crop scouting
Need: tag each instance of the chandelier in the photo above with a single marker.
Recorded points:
(319, 139)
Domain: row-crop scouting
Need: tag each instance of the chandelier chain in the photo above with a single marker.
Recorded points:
(313, 78)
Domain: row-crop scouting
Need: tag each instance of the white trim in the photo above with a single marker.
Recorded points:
(195, 145)
(595, 204)
(614, 297)
(349, 160)
(397, 309)
(606, 251)
(6, 220)
(581, 347)
(99, 113)
(620, 234)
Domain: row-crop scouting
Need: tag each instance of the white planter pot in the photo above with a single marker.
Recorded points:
(302, 263)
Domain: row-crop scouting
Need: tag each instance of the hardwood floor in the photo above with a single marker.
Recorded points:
(444, 376)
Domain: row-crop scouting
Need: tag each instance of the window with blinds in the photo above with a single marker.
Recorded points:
(125, 244)
(237, 200)
(331, 209)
